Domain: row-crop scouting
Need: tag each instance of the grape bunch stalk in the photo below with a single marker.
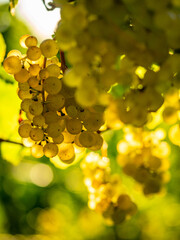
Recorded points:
(55, 124)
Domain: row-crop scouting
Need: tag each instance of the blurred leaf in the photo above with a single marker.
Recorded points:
(118, 90)
(12, 29)
(6, 77)
(2, 49)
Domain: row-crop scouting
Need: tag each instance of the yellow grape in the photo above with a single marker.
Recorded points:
(73, 126)
(12, 65)
(36, 134)
(49, 48)
(66, 152)
(31, 41)
(33, 53)
(22, 76)
(24, 130)
(50, 150)
(37, 151)
(52, 85)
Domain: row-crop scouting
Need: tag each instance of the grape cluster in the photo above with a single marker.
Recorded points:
(143, 156)
(106, 194)
(55, 123)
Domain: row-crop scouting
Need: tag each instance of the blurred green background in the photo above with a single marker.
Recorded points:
(40, 201)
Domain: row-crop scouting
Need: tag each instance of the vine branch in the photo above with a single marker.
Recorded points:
(9, 141)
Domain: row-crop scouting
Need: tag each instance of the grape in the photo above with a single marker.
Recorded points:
(12, 65)
(52, 85)
(39, 120)
(124, 202)
(25, 104)
(24, 130)
(50, 150)
(33, 53)
(49, 48)
(31, 41)
(33, 82)
(72, 111)
(15, 53)
(59, 139)
(98, 142)
(73, 126)
(23, 86)
(34, 69)
(37, 151)
(36, 108)
(23, 39)
(94, 122)
(87, 139)
(55, 102)
(22, 76)
(44, 73)
(66, 152)
(54, 129)
(54, 70)
(36, 134)
(68, 137)
(51, 117)
(24, 94)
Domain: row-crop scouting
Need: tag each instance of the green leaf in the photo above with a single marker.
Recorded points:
(2, 48)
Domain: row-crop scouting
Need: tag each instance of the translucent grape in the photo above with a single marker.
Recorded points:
(66, 152)
(55, 102)
(33, 53)
(31, 41)
(54, 70)
(12, 65)
(73, 126)
(22, 76)
(36, 134)
(24, 130)
(49, 48)
(50, 150)
(37, 151)
(52, 85)
(39, 120)
(36, 108)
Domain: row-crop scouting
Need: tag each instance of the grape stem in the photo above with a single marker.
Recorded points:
(63, 63)
(42, 82)
(9, 141)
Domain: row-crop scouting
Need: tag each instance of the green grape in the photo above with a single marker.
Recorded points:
(54, 129)
(36, 134)
(43, 74)
(52, 85)
(94, 122)
(36, 108)
(68, 137)
(124, 202)
(22, 76)
(67, 92)
(33, 53)
(33, 82)
(39, 120)
(66, 152)
(98, 142)
(24, 94)
(54, 70)
(23, 39)
(37, 151)
(72, 111)
(87, 139)
(118, 215)
(24, 130)
(25, 104)
(84, 114)
(55, 102)
(152, 185)
(34, 69)
(170, 115)
(72, 79)
(59, 139)
(31, 41)
(29, 116)
(73, 126)
(23, 86)
(12, 65)
(49, 48)
(50, 117)
(50, 150)
(15, 53)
